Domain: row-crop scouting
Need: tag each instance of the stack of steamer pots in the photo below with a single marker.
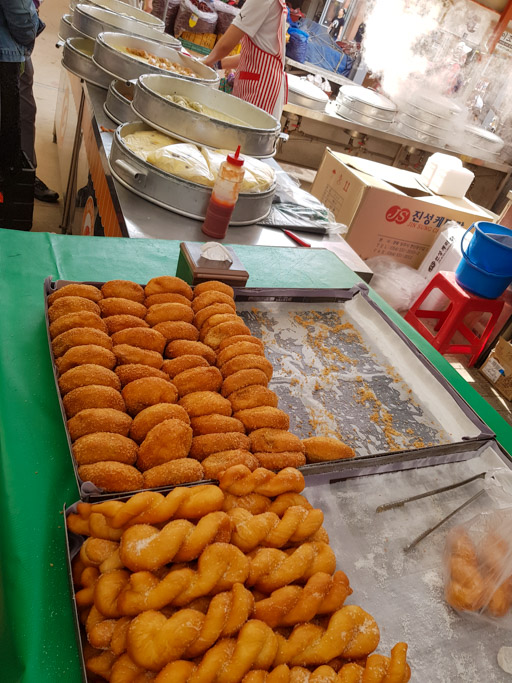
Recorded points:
(429, 119)
(366, 107)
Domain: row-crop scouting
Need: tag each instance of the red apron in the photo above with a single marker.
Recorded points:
(259, 77)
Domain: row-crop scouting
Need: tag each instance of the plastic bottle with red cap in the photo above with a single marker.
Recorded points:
(224, 196)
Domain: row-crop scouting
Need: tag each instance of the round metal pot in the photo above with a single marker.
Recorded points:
(415, 134)
(124, 9)
(366, 102)
(356, 117)
(66, 29)
(423, 126)
(118, 105)
(76, 59)
(483, 139)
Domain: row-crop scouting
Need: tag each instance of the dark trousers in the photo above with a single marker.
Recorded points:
(10, 130)
(28, 112)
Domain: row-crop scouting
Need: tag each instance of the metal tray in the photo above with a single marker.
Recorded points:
(124, 9)
(356, 117)
(118, 105)
(258, 138)
(80, 64)
(66, 28)
(123, 66)
(173, 193)
(366, 102)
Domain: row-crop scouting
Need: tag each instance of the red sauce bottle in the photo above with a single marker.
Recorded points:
(224, 196)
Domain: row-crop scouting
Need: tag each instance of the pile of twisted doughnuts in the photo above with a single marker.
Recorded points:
(221, 584)
(164, 385)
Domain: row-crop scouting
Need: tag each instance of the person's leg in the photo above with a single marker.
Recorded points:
(10, 134)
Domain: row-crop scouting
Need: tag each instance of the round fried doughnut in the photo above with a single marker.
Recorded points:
(92, 420)
(168, 284)
(92, 396)
(235, 339)
(275, 441)
(104, 446)
(84, 375)
(161, 313)
(214, 309)
(278, 461)
(116, 323)
(80, 336)
(215, 464)
(212, 297)
(217, 319)
(177, 329)
(83, 355)
(216, 334)
(112, 476)
(172, 473)
(215, 424)
(167, 298)
(243, 378)
(176, 365)
(183, 347)
(71, 304)
(238, 349)
(200, 403)
(133, 355)
(129, 373)
(252, 397)
(323, 448)
(148, 391)
(213, 286)
(263, 416)
(150, 417)
(79, 319)
(115, 306)
(198, 379)
(168, 440)
(142, 337)
(247, 361)
(123, 289)
(207, 444)
(86, 291)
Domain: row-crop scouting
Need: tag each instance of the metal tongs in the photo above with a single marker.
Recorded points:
(400, 503)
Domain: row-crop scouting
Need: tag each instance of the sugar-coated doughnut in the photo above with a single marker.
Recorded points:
(323, 448)
(92, 420)
(275, 441)
(79, 319)
(71, 304)
(213, 286)
(278, 461)
(112, 476)
(148, 418)
(205, 403)
(129, 373)
(182, 347)
(100, 446)
(212, 297)
(148, 391)
(198, 379)
(207, 444)
(116, 323)
(168, 440)
(84, 375)
(215, 424)
(92, 396)
(172, 473)
(168, 284)
(177, 329)
(243, 378)
(238, 349)
(263, 416)
(217, 319)
(161, 313)
(174, 366)
(216, 334)
(217, 463)
(83, 355)
(235, 339)
(214, 309)
(80, 336)
(253, 396)
(123, 289)
(133, 355)
(166, 298)
(115, 306)
(142, 337)
(247, 361)
(86, 291)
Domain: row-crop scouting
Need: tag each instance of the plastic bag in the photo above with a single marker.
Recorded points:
(225, 13)
(184, 161)
(258, 176)
(398, 284)
(186, 17)
(143, 142)
(297, 46)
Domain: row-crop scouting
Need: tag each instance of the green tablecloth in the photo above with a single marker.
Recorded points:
(37, 641)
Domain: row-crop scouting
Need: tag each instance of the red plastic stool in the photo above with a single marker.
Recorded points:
(451, 320)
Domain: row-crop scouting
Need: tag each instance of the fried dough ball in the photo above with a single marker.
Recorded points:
(168, 440)
(239, 349)
(214, 309)
(148, 391)
(182, 347)
(80, 336)
(248, 361)
(252, 397)
(84, 375)
(278, 461)
(83, 355)
(71, 304)
(167, 298)
(161, 313)
(133, 355)
(216, 424)
(200, 403)
(263, 416)
(275, 441)
(235, 339)
(92, 420)
(181, 363)
(212, 297)
(104, 446)
(198, 379)
(207, 444)
(168, 284)
(215, 464)
(243, 378)
(217, 319)
(115, 306)
(92, 396)
(79, 319)
(216, 334)
(150, 417)
(213, 286)
(142, 337)
(85, 291)
(116, 323)
(112, 476)
(323, 448)
(172, 473)
(129, 373)
(177, 329)
(123, 289)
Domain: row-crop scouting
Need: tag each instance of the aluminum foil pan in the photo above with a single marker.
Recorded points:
(173, 193)
(124, 9)
(77, 58)
(483, 139)
(91, 21)
(366, 102)
(107, 56)
(118, 105)
(66, 29)
(356, 117)
(257, 138)
(415, 134)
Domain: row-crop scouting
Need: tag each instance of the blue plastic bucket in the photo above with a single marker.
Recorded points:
(488, 253)
(478, 280)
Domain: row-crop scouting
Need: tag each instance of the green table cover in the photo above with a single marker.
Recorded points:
(37, 640)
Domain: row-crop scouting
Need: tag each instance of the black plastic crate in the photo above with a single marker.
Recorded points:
(17, 198)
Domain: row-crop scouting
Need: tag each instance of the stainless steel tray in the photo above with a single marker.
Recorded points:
(126, 10)
(118, 105)
(66, 29)
(173, 193)
(123, 66)
(258, 138)
(356, 117)
(80, 64)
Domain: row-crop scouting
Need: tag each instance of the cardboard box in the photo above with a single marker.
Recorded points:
(498, 368)
(388, 210)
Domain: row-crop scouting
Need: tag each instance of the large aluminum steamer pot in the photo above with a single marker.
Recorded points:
(66, 29)
(258, 138)
(121, 65)
(305, 94)
(173, 193)
(124, 9)
(366, 102)
(483, 139)
(356, 117)
(91, 21)
(118, 105)
(415, 134)
(425, 126)
(426, 116)
(75, 58)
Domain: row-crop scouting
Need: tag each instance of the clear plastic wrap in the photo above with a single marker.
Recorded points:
(398, 284)
(196, 16)
(258, 176)
(183, 160)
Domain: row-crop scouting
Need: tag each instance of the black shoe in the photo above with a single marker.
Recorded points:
(43, 192)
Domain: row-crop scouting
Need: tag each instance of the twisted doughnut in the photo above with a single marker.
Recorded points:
(98, 552)
(286, 500)
(107, 634)
(101, 664)
(465, 588)
(240, 481)
(95, 524)
(255, 503)
(124, 670)
(88, 579)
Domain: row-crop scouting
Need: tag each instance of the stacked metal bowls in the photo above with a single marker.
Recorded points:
(429, 119)
(366, 107)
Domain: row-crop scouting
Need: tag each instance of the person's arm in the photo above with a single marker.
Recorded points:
(22, 21)
(230, 63)
(225, 45)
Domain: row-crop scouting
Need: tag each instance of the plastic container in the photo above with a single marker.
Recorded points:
(445, 175)
(477, 279)
(488, 247)
(224, 196)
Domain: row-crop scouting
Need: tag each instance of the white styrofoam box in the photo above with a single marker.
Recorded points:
(438, 160)
(445, 175)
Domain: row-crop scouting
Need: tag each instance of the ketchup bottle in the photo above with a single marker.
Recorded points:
(224, 196)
